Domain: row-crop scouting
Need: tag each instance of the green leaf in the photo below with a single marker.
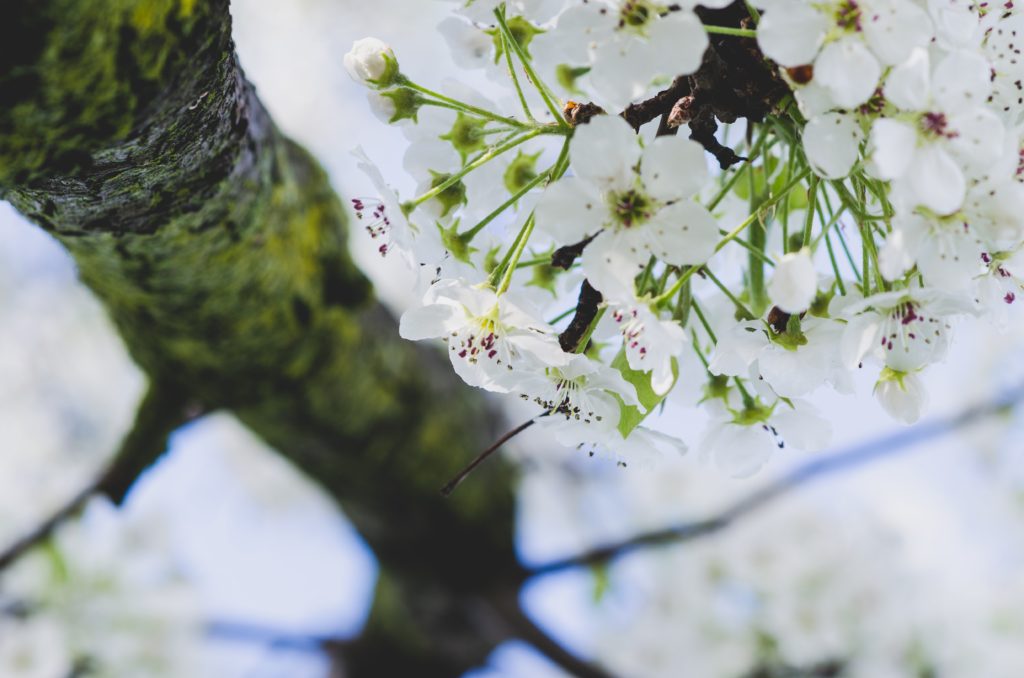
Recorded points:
(602, 581)
(630, 416)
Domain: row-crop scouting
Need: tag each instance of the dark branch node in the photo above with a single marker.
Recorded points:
(564, 257)
(586, 310)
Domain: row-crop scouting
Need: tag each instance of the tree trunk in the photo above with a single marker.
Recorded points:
(128, 132)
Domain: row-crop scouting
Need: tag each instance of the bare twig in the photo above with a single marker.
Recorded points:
(162, 410)
(643, 112)
(450, 486)
(521, 626)
(855, 456)
(239, 631)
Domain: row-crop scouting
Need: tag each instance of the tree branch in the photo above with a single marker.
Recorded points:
(642, 112)
(162, 410)
(804, 474)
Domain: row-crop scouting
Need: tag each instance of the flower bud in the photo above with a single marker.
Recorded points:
(371, 62)
(901, 394)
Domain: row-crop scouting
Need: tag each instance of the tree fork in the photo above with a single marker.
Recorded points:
(218, 247)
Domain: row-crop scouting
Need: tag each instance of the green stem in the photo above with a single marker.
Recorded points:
(704, 321)
(537, 261)
(515, 78)
(524, 59)
(682, 312)
(831, 222)
(790, 164)
(515, 253)
(562, 316)
(835, 265)
(740, 306)
(849, 256)
(696, 349)
(581, 345)
(562, 162)
(754, 14)
(756, 253)
(726, 30)
(681, 280)
(471, 233)
(676, 286)
(480, 161)
(812, 201)
(457, 105)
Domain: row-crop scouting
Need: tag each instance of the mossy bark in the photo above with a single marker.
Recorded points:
(129, 133)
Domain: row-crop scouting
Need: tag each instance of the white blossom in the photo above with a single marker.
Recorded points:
(489, 337)
(634, 201)
(628, 44)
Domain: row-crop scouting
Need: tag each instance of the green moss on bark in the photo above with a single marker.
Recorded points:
(219, 249)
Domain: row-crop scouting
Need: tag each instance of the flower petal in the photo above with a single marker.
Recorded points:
(832, 144)
(673, 168)
(605, 152)
(570, 210)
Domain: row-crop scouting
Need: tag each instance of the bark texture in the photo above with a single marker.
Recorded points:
(128, 132)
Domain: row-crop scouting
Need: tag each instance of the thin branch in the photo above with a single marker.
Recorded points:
(238, 631)
(162, 410)
(804, 474)
(450, 486)
(521, 626)
(643, 112)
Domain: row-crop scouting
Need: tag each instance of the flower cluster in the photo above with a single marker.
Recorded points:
(862, 196)
(808, 587)
(103, 576)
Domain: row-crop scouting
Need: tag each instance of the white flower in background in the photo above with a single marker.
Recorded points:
(482, 11)
(490, 338)
(952, 136)
(790, 369)
(906, 329)
(630, 44)
(946, 251)
(636, 201)
(371, 62)
(1002, 50)
(650, 343)
(471, 47)
(794, 283)
(1002, 285)
(35, 647)
(740, 448)
(105, 594)
(847, 41)
(956, 22)
(902, 395)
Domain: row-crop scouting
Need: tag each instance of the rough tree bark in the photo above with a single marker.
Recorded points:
(128, 132)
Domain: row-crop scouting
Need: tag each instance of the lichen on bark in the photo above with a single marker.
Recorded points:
(219, 249)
